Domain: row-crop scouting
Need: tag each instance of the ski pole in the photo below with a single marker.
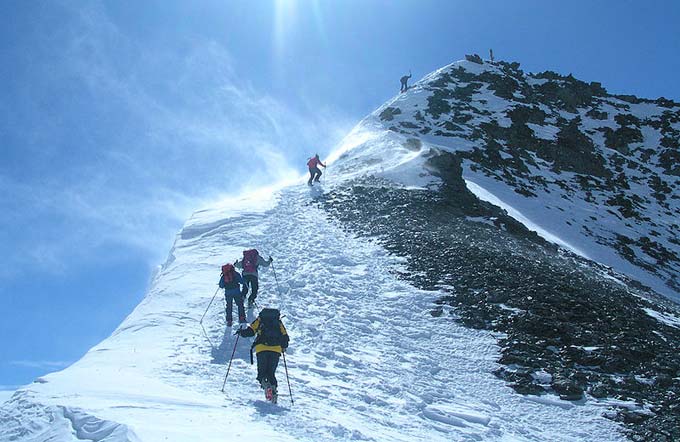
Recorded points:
(205, 333)
(230, 359)
(283, 353)
(277, 280)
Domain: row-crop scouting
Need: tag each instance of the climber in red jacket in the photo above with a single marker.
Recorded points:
(314, 172)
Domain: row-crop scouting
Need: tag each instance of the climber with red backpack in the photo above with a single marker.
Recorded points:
(231, 281)
(250, 264)
(314, 171)
(270, 343)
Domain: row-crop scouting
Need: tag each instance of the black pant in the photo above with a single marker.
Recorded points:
(267, 361)
(239, 304)
(404, 86)
(250, 280)
(314, 174)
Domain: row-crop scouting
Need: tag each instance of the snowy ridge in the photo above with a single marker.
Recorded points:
(363, 364)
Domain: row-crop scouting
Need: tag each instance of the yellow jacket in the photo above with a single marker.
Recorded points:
(254, 329)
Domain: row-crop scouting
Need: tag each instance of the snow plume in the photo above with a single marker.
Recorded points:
(134, 137)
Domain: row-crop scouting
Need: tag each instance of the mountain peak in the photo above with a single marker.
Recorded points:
(546, 145)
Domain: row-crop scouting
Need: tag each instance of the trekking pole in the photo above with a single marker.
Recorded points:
(287, 378)
(205, 333)
(277, 280)
(230, 359)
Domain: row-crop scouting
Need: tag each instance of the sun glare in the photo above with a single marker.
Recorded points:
(284, 16)
(287, 16)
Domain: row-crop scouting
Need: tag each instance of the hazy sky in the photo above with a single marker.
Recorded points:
(118, 119)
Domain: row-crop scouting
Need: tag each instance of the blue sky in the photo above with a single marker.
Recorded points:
(120, 118)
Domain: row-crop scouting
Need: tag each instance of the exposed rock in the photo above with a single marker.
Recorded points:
(389, 113)
(474, 58)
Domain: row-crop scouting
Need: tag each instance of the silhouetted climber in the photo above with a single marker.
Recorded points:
(231, 281)
(314, 171)
(491, 55)
(404, 82)
(272, 340)
(250, 264)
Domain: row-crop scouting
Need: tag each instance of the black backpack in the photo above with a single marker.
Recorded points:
(269, 331)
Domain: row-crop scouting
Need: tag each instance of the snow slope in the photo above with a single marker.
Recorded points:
(363, 362)
(4, 395)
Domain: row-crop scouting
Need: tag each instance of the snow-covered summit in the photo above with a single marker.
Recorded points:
(596, 173)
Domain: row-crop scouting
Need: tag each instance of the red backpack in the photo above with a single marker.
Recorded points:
(228, 273)
(250, 260)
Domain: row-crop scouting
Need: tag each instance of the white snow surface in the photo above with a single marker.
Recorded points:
(366, 360)
(489, 197)
(5, 395)
(668, 319)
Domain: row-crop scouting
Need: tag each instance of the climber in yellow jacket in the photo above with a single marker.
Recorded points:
(271, 341)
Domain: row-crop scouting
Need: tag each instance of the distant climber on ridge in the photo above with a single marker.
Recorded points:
(231, 282)
(314, 171)
(271, 341)
(250, 264)
(404, 82)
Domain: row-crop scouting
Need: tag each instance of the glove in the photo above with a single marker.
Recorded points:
(238, 332)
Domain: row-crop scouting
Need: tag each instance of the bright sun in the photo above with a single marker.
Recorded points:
(286, 16)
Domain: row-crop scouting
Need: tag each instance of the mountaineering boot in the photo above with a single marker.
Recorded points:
(267, 387)
(275, 395)
(229, 323)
